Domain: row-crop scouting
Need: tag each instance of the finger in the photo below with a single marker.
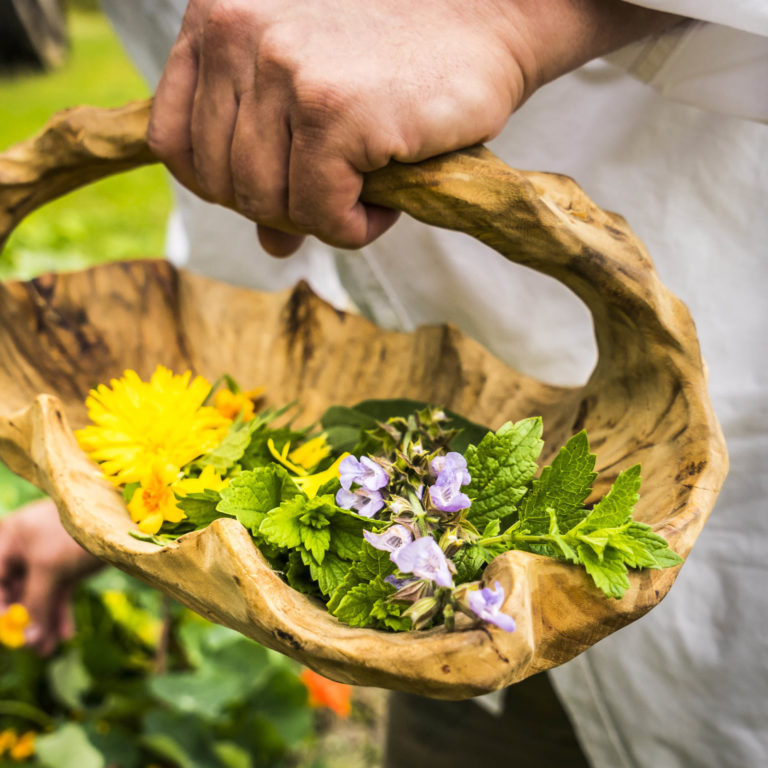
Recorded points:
(260, 153)
(169, 134)
(39, 598)
(214, 111)
(65, 619)
(324, 199)
(277, 243)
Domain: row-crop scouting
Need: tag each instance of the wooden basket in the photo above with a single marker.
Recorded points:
(645, 402)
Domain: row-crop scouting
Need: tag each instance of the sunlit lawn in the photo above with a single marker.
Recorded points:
(121, 217)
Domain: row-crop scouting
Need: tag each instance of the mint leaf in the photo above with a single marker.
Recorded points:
(357, 605)
(615, 508)
(331, 574)
(347, 535)
(316, 541)
(231, 449)
(563, 487)
(298, 575)
(282, 526)
(372, 564)
(200, 508)
(608, 573)
(252, 494)
(502, 467)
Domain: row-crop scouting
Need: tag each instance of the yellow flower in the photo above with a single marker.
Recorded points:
(209, 480)
(230, 404)
(8, 740)
(12, 625)
(136, 423)
(154, 501)
(311, 453)
(24, 747)
(311, 484)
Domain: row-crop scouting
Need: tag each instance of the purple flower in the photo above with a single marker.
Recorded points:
(486, 604)
(454, 464)
(446, 495)
(424, 558)
(390, 540)
(397, 583)
(364, 502)
(366, 473)
(451, 471)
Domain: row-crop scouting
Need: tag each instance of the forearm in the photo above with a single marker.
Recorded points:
(552, 37)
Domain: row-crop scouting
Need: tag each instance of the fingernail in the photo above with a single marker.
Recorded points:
(33, 633)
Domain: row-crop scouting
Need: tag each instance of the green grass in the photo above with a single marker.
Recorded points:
(118, 218)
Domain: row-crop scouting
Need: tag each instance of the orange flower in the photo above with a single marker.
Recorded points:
(12, 625)
(154, 502)
(230, 404)
(327, 693)
(24, 747)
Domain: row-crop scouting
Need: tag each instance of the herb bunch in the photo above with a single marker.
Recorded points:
(391, 513)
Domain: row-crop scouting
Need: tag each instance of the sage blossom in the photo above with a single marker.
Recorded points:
(364, 502)
(451, 471)
(390, 540)
(366, 473)
(486, 604)
(424, 558)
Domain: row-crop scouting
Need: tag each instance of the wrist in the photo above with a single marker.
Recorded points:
(549, 38)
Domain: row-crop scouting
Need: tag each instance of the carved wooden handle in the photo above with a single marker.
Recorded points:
(544, 221)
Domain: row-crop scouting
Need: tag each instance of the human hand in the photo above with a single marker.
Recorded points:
(40, 565)
(277, 107)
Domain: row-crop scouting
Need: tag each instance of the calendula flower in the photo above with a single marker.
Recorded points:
(8, 740)
(232, 404)
(327, 693)
(136, 423)
(24, 747)
(311, 453)
(311, 484)
(209, 480)
(154, 501)
(13, 622)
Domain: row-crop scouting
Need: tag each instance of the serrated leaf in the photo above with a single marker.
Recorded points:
(642, 548)
(563, 486)
(355, 609)
(330, 574)
(231, 449)
(609, 574)
(281, 526)
(615, 508)
(200, 508)
(347, 536)
(501, 468)
(316, 541)
(252, 494)
(298, 575)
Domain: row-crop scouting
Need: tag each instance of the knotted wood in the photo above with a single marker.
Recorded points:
(645, 402)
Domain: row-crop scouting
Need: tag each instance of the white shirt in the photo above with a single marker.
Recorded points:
(687, 685)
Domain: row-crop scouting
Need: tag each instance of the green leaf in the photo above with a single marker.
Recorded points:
(347, 535)
(330, 574)
(257, 454)
(608, 573)
(502, 467)
(182, 740)
(615, 508)
(231, 449)
(298, 575)
(200, 508)
(69, 678)
(356, 606)
(564, 487)
(252, 494)
(316, 541)
(68, 747)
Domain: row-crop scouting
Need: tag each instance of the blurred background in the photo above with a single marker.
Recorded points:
(143, 683)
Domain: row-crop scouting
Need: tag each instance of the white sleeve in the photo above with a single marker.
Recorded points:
(715, 60)
(746, 15)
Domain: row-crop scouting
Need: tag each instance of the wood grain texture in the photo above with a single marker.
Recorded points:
(645, 402)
